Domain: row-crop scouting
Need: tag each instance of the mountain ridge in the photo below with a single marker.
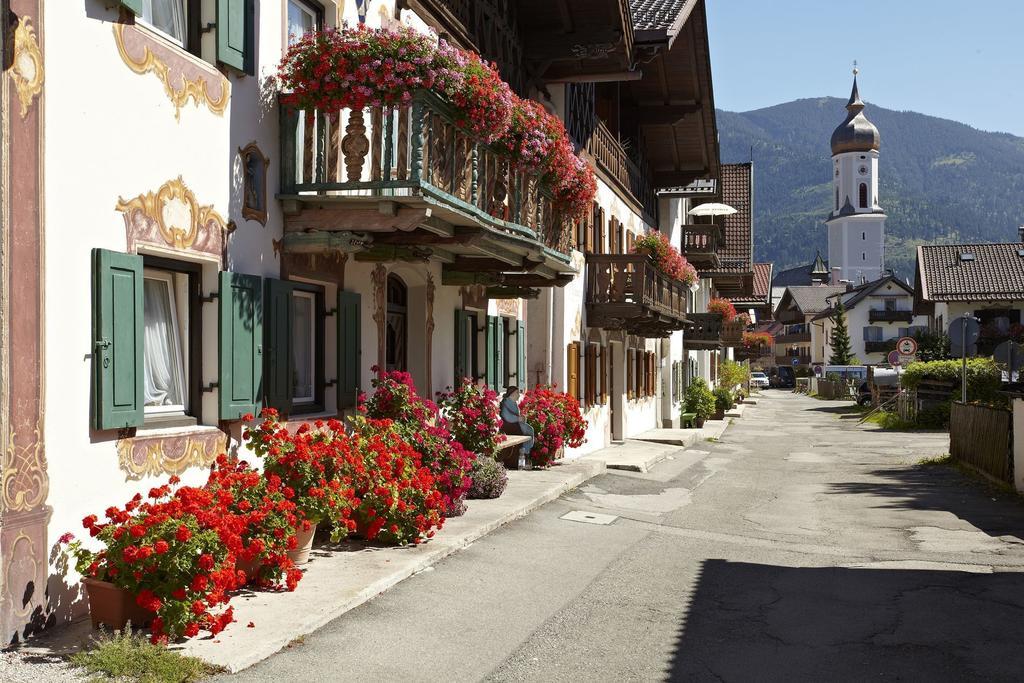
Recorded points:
(939, 180)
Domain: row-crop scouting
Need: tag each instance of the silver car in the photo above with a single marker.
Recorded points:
(759, 380)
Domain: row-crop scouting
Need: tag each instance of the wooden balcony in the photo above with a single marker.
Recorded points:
(625, 174)
(400, 183)
(627, 292)
(732, 333)
(793, 338)
(705, 334)
(883, 316)
(701, 244)
(879, 346)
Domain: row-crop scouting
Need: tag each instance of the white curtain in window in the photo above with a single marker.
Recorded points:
(166, 15)
(302, 345)
(164, 370)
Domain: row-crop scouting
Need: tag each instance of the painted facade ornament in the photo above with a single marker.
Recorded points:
(474, 296)
(27, 65)
(24, 484)
(254, 183)
(380, 285)
(508, 307)
(184, 78)
(154, 456)
(173, 217)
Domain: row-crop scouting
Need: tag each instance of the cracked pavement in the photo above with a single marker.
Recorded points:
(799, 546)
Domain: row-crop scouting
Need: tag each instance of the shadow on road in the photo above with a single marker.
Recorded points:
(766, 622)
(917, 487)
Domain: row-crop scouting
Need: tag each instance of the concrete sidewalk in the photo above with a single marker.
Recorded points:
(633, 455)
(344, 577)
(712, 429)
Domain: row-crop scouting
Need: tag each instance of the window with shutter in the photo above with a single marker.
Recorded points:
(135, 6)
(118, 342)
(590, 390)
(240, 386)
(630, 365)
(599, 233)
(605, 350)
(573, 369)
(499, 352)
(521, 373)
(279, 370)
(641, 375)
(462, 333)
(235, 32)
(349, 348)
(491, 346)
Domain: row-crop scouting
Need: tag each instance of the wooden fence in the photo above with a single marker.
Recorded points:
(983, 438)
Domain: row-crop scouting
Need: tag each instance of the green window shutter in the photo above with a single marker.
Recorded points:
(241, 345)
(499, 352)
(492, 353)
(235, 34)
(118, 344)
(521, 374)
(279, 365)
(461, 348)
(349, 348)
(135, 6)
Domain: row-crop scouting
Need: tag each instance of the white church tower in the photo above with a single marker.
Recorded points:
(856, 225)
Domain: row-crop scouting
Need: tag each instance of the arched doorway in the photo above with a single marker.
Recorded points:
(397, 329)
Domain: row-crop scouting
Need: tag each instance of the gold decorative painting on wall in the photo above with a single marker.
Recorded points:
(254, 183)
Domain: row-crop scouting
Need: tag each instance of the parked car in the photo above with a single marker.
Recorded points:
(759, 380)
(786, 378)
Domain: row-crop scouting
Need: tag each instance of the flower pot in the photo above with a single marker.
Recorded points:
(113, 606)
(699, 422)
(719, 415)
(305, 543)
(250, 567)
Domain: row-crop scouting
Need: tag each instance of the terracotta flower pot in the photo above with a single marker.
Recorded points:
(305, 543)
(113, 606)
(699, 422)
(250, 567)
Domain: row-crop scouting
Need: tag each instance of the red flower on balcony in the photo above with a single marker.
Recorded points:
(666, 257)
(722, 307)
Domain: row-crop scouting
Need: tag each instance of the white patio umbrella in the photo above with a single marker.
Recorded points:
(712, 209)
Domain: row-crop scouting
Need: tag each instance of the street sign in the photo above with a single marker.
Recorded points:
(796, 361)
(818, 370)
(1010, 354)
(895, 358)
(964, 332)
(907, 346)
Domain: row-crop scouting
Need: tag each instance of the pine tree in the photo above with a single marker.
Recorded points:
(842, 354)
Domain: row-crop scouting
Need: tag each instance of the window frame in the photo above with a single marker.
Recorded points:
(192, 345)
(318, 294)
(312, 8)
(193, 28)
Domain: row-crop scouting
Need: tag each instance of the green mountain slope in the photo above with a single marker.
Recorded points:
(939, 180)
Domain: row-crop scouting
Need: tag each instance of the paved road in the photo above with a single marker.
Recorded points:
(799, 547)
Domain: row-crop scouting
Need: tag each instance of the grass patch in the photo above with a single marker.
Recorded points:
(127, 657)
(712, 439)
(889, 420)
(936, 460)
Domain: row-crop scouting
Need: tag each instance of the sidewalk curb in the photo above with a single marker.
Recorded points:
(337, 582)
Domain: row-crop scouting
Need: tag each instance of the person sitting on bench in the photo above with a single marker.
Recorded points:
(512, 422)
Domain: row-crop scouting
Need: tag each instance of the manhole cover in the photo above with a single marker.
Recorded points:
(589, 517)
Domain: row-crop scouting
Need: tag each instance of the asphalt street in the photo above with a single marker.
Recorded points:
(800, 546)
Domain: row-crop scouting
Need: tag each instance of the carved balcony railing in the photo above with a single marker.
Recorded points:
(880, 346)
(880, 316)
(701, 244)
(414, 153)
(627, 292)
(732, 332)
(631, 177)
(705, 333)
(793, 338)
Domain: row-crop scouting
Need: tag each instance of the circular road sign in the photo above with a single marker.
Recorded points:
(907, 346)
(895, 358)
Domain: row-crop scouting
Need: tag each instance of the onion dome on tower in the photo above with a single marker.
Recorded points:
(856, 133)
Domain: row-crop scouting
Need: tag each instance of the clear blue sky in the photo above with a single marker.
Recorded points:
(956, 59)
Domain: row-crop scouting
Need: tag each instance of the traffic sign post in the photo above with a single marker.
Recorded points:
(906, 346)
(895, 358)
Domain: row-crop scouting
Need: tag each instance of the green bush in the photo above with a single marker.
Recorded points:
(983, 377)
(723, 400)
(732, 374)
(489, 478)
(699, 399)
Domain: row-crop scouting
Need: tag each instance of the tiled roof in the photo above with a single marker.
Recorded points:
(812, 299)
(737, 185)
(863, 291)
(995, 273)
(658, 15)
(762, 279)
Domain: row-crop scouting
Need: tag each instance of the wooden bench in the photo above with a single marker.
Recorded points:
(508, 450)
(687, 420)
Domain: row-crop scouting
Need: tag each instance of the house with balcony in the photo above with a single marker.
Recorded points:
(985, 281)
(185, 247)
(877, 314)
(799, 343)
